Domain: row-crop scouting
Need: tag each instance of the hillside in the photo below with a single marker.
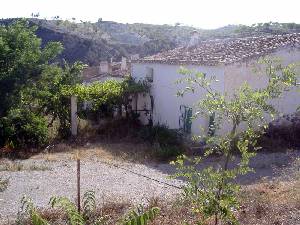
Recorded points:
(92, 42)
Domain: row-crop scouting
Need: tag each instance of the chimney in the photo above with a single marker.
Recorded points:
(105, 67)
(124, 63)
(195, 39)
(135, 57)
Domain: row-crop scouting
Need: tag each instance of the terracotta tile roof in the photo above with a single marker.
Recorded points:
(225, 51)
(92, 73)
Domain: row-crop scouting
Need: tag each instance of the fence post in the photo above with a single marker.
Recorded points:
(74, 121)
(78, 185)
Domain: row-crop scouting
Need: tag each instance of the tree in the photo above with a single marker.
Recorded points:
(46, 95)
(30, 86)
(213, 190)
(22, 60)
(23, 128)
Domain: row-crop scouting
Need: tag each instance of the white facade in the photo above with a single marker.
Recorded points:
(166, 108)
(237, 74)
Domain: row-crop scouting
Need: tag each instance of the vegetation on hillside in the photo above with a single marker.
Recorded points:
(91, 42)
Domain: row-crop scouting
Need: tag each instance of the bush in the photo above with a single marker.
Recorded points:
(283, 133)
(169, 142)
(117, 129)
(22, 128)
(30, 214)
(167, 152)
(161, 134)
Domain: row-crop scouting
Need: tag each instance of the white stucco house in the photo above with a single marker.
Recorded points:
(230, 60)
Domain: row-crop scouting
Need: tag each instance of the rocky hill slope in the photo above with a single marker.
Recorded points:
(92, 42)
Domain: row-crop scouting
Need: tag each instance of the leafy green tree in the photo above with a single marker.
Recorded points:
(22, 60)
(31, 86)
(23, 128)
(47, 97)
(212, 191)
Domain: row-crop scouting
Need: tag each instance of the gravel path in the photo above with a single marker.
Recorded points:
(43, 179)
(108, 182)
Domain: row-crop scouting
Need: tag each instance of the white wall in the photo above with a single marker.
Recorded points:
(237, 74)
(164, 90)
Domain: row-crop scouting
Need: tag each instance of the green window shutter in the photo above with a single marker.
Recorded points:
(211, 125)
(189, 120)
(185, 118)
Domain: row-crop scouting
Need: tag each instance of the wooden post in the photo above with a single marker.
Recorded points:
(78, 184)
(74, 121)
(136, 95)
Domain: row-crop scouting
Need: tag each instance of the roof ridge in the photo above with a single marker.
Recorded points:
(224, 51)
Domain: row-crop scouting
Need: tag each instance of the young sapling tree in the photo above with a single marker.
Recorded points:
(245, 112)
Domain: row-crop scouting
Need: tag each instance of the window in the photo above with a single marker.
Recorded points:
(149, 74)
(185, 119)
(211, 126)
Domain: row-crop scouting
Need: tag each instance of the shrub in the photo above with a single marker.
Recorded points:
(169, 143)
(167, 152)
(30, 213)
(285, 132)
(141, 216)
(161, 134)
(22, 128)
(116, 129)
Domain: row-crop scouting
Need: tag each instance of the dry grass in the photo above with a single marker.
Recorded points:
(175, 213)
(3, 184)
(271, 203)
(50, 157)
(274, 202)
(268, 203)
(113, 213)
(123, 151)
(109, 214)
(12, 166)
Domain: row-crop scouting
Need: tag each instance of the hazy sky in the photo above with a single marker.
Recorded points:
(199, 13)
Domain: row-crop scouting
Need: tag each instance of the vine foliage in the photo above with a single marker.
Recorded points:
(110, 92)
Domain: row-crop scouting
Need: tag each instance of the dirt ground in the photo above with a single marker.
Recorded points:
(123, 172)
